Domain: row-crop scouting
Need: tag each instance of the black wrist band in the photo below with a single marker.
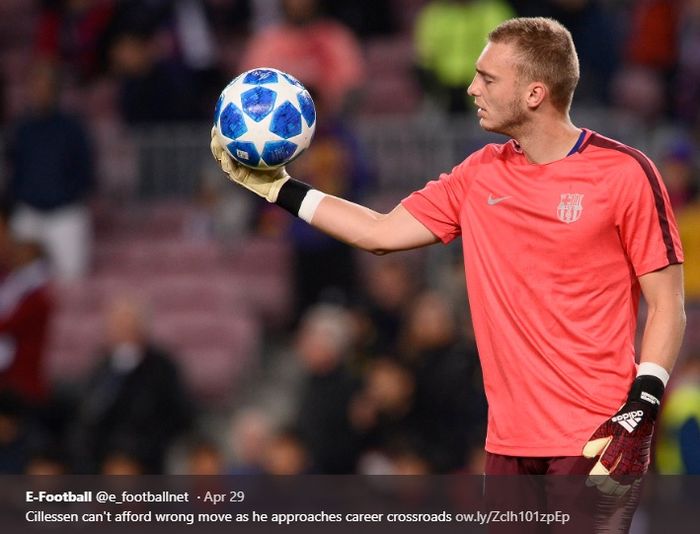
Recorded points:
(291, 195)
(647, 388)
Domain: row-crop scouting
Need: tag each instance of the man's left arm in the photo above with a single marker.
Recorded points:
(623, 442)
(665, 325)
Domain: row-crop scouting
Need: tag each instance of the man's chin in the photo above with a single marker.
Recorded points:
(489, 127)
(501, 129)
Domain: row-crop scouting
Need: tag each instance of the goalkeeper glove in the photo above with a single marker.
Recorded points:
(275, 185)
(266, 184)
(623, 441)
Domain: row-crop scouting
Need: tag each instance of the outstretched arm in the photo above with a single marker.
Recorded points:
(351, 223)
(366, 229)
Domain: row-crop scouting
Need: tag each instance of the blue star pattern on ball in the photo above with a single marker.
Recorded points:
(232, 122)
(260, 76)
(244, 150)
(258, 103)
(275, 152)
(308, 110)
(286, 122)
(265, 118)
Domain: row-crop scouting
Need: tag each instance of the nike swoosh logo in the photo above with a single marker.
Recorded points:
(493, 201)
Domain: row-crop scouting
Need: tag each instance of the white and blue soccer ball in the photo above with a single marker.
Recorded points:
(265, 118)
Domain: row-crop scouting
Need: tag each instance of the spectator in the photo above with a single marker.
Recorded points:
(194, 34)
(383, 413)
(323, 344)
(134, 402)
(652, 40)
(251, 432)
(286, 454)
(153, 87)
(51, 177)
(390, 286)
(423, 410)
(651, 55)
(205, 458)
(26, 308)
(450, 404)
(333, 162)
(71, 32)
(449, 36)
(193, 29)
(320, 52)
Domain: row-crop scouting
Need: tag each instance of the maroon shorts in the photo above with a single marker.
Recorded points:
(498, 464)
(565, 493)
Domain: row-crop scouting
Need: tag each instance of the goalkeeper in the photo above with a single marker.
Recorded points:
(562, 229)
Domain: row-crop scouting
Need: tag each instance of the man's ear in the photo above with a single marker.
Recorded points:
(536, 93)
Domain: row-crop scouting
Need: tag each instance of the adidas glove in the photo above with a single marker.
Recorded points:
(623, 441)
(266, 184)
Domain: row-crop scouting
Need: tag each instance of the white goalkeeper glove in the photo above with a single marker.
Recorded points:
(266, 184)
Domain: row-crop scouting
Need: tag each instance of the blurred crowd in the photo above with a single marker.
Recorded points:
(373, 368)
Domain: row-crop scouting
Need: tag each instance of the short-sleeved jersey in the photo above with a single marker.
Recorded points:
(552, 254)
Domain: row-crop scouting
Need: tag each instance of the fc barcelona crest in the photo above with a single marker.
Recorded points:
(570, 207)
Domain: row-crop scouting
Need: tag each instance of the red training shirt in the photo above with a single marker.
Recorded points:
(552, 254)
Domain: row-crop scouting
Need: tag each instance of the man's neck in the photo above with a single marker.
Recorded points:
(549, 142)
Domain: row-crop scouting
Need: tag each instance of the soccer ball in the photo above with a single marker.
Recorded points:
(265, 118)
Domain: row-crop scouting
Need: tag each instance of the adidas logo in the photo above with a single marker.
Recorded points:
(629, 420)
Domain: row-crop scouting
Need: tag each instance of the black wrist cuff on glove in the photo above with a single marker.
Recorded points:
(649, 389)
(291, 195)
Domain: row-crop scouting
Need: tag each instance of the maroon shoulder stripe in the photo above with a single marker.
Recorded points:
(602, 142)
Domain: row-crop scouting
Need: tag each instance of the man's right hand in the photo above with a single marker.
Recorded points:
(266, 184)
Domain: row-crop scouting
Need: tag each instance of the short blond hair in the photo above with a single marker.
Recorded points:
(547, 54)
